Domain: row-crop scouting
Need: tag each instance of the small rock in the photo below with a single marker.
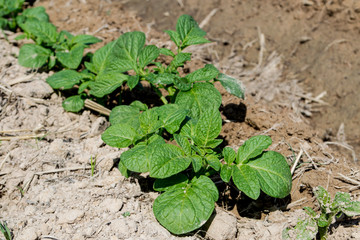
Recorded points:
(70, 216)
(56, 146)
(112, 205)
(98, 127)
(28, 234)
(44, 197)
(44, 229)
(222, 227)
(50, 210)
(30, 210)
(123, 227)
(36, 89)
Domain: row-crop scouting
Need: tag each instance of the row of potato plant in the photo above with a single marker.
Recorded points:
(176, 143)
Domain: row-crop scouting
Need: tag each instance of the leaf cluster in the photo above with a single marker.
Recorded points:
(318, 224)
(176, 143)
(9, 10)
(50, 48)
(108, 70)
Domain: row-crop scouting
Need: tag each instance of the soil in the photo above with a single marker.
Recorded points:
(47, 190)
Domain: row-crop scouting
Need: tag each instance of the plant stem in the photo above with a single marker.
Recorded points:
(163, 99)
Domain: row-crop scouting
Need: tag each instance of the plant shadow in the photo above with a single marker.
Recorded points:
(234, 112)
(232, 200)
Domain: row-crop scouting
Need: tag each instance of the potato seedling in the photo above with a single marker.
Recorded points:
(177, 143)
(9, 10)
(190, 117)
(318, 224)
(51, 48)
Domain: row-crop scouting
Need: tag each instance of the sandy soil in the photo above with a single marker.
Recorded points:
(47, 190)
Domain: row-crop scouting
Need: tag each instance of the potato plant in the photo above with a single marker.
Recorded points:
(51, 48)
(318, 224)
(9, 10)
(177, 143)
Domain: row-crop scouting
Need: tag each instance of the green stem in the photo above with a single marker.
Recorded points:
(163, 99)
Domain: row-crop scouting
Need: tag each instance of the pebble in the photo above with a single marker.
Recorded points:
(70, 216)
(28, 234)
(112, 205)
(222, 227)
(30, 210)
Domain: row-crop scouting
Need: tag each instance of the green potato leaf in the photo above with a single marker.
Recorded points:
(119, 135)
(171, 116)
(273, 174)
(226, 172)
(52, 61)
(91, 67)
(179, 60)
(139, 158)
(127, 50)
(139, 105)
(83, 86)
(184, 143)
(306, 229)
(351, 209)
(106, 83)
(231, 85)
(206, 73)
(173, 182)
(229, 155)
(322, 196)
(123, 170)
(168, 160)
(149, 121)
(133, 81)
(167, 52)
(213, 143)
(165, 78)
(73, 103)
(182, 84)
(126, 115)
(343, 203)
(252, 148)
(64, 79)
(36, 13)
(246, 180)
(43, 31)
(197, 162)
(208, 127)
(33, 56)
(189, 32)
(71, 59)
(213, 161)
(147, 55)
(174, 36)
(199, 99)
(3, 23)
(104, 59)
(186, 208)
(84, 39)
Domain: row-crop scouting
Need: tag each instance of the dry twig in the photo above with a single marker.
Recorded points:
(23, 137)
(97, 107)
(296, 161)
(344, 145)
(208, 17)
(53, 171)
